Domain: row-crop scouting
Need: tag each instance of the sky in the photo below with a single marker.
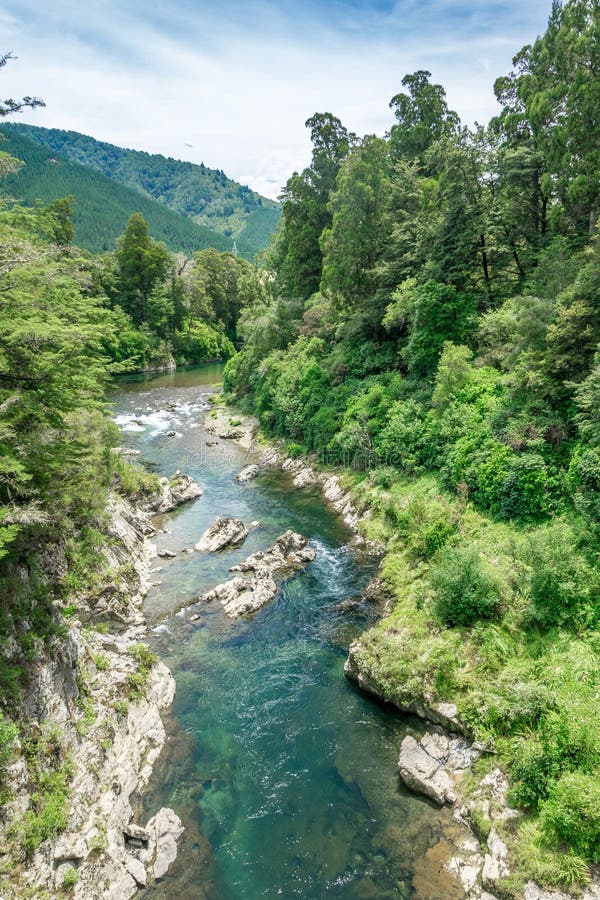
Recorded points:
(231, 84)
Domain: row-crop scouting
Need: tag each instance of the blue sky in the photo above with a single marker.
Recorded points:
(237, 80)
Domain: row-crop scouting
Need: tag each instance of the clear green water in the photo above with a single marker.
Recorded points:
(284, 774)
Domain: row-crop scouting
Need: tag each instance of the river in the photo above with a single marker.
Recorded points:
(283, 773)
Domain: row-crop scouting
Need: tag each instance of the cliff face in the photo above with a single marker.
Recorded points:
(91, 731)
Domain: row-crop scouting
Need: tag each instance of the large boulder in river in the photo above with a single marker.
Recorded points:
(224, 532)
(173, 492)
(247, 473)
(164, 830)
(288, 552)
(241, 596)
(423, 771)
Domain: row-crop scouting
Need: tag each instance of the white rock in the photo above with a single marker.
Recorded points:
(224, 532)
(533, 892)
(125, 451)
(423, 773)
(271, 457)
(495, 864)
(136, 832)
(247, 473)
(70, 846)
(305, 478)
(165, 829)
(241, 596)
(174, 492)
(436, 745)
(136, 869)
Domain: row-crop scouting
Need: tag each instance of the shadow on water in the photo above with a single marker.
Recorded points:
(284, 774)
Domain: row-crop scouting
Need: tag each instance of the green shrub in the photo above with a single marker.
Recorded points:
(295, 450)
(465, 587)
(563, 587)
(524, 493)
(571, 815)
(131, 479)
(70, 878)
(121, 707)
(567, 740)
(426, 523)
(145, 659)
(48, 814)
(198, 342)
(8, 733)
(101, 662)
(584, 480)
(403, 440)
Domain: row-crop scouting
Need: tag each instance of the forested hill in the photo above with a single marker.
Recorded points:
(102, 206)
(205, 195)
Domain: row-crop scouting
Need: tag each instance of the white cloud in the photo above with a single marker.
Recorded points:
(238, 82)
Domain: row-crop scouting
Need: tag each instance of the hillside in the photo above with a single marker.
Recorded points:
(205, 195)
(102, 206)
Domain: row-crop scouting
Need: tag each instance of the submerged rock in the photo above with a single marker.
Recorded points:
(224, 532)
(241, 596)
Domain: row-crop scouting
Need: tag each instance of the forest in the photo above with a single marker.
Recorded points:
(101, 206)
(427, 318)
(432, 323)
(205, 196)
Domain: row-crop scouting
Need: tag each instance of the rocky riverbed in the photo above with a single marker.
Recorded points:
(101, 696)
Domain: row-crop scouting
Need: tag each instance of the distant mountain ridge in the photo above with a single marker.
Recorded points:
(102, 206)
(207, 196)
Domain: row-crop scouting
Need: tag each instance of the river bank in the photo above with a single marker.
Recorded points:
(479, 801)
(97, 705)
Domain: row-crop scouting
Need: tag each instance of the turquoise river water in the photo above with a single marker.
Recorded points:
(284, 774)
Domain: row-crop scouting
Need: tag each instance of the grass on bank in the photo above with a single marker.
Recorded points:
(503, 621)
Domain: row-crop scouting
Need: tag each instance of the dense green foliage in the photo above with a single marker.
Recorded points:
(204, 195)
(67, 320)
(428, 316)
(54, 435)
(101, 206)
(168, 309)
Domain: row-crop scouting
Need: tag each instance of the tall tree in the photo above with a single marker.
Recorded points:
(306, 214)
(553, 97)
(422, 117)
(142, 264)
(352, 245)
